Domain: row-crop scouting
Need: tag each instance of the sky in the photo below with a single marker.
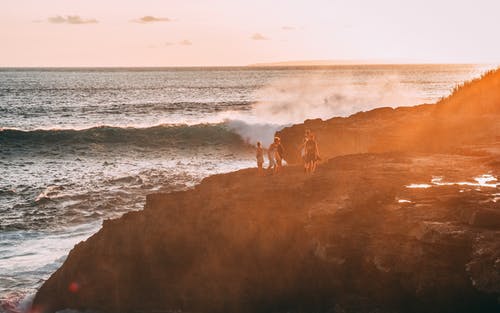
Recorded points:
(236, 32)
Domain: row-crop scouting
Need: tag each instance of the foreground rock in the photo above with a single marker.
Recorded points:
(351, 238)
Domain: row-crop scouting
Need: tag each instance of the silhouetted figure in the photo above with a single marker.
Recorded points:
(260, 158)
(279, 153)
(302, 148)
(311, 154)
(271, 155)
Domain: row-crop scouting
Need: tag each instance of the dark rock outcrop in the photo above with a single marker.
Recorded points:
(345, 239)
(464, 122)
(353, 237)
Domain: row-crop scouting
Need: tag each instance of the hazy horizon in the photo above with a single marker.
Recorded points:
(277, 64)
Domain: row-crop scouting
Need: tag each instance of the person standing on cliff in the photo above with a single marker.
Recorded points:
(311, 154)
(302, 148)
(271, 154)
(260, 158)
(279, 153)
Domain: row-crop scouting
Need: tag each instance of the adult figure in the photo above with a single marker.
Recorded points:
(311, 154)
(279, 153)
(302, 148)
(271, 155)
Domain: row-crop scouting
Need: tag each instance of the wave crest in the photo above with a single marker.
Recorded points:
(151, 136)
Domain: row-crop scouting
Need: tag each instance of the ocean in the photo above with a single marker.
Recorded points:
(78, 146)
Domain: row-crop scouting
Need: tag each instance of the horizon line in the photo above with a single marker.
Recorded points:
(250, 66)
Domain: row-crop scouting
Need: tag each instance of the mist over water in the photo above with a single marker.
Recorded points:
(292, 100)
(78, 146)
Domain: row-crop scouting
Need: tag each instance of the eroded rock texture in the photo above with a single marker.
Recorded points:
(351, 237)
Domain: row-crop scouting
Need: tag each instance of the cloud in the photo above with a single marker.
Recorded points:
(185, 42)
(71, 19)
(258, 36)
(151, 19)
(288, 28)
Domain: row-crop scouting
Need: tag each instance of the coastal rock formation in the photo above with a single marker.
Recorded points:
(464, 122)
(412, 230)
(351, 238)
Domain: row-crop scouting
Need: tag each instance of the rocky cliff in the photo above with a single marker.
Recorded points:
(464, 121)
(410, 229)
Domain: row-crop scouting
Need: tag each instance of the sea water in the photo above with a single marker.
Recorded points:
(78, 146)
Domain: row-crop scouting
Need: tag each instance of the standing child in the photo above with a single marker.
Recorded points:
(260, 158)
(271, 154)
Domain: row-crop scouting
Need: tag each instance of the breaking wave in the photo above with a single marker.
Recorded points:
(151, 136)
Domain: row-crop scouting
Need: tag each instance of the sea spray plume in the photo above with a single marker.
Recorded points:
(292, 100)
(252, 133)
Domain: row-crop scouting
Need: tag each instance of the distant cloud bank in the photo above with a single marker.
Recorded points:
(185, 42)
(71, 19)
(258, 36)
(151, 19)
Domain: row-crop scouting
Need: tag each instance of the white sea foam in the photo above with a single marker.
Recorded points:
(485, 180)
